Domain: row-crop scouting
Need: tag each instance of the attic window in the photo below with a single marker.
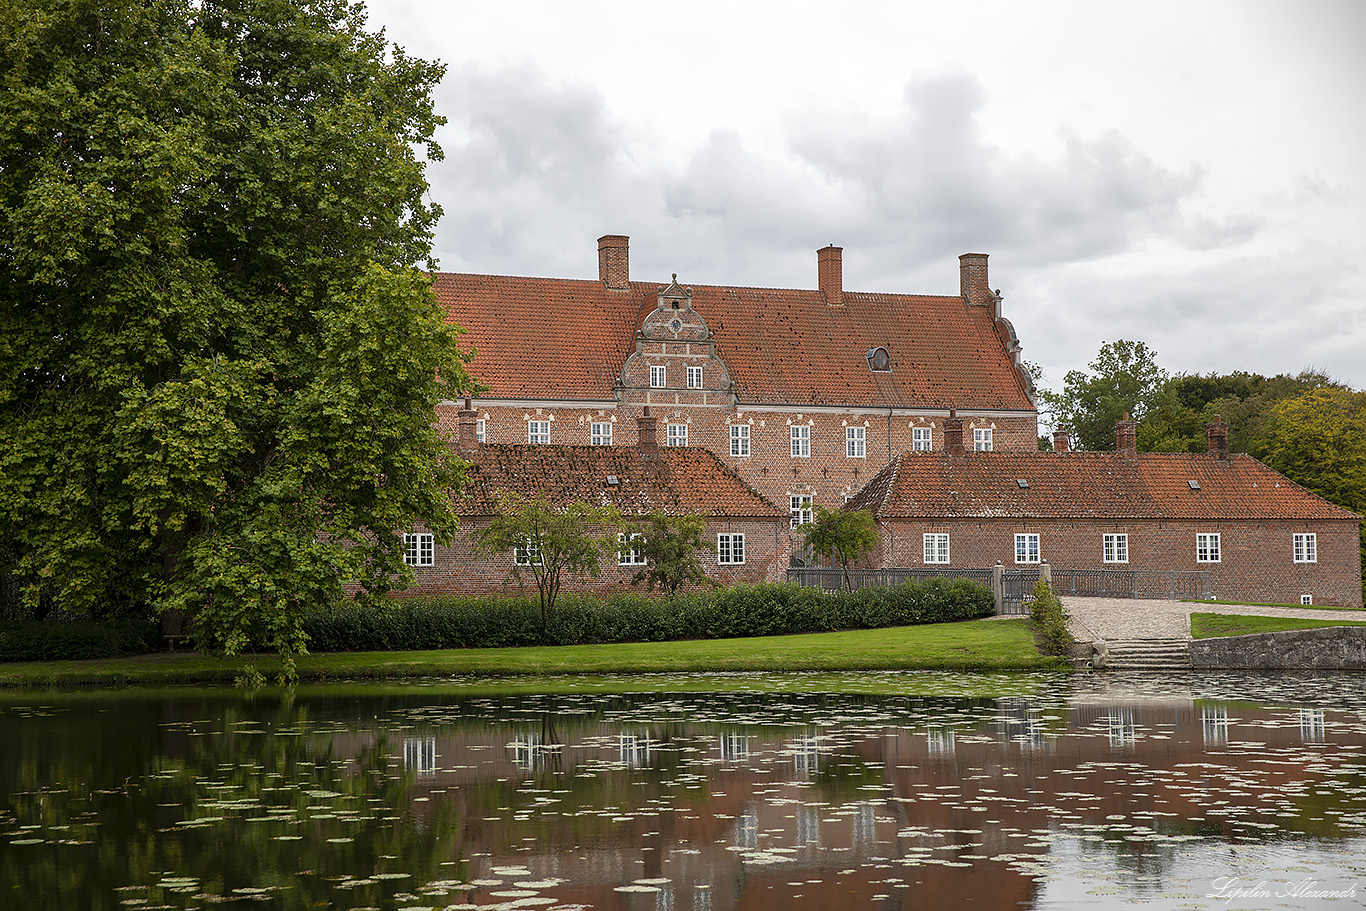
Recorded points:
(613, 480)
(1023, 484)
(878, 359)
(1194, 485)
(675, 305)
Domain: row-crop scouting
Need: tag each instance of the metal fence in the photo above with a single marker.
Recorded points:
(832, 578)
(1168, 585)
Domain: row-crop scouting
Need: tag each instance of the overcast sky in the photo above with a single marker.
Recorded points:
(1188, 174)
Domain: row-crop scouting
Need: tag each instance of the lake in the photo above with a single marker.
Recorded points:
(692, 793)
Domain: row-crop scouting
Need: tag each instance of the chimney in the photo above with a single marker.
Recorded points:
(614, 261)
(1126, 436)
(830, 274)
(972, 281)
(1061, 443)
(648, 441)
(953, 433)
(1218, 437)
(469, 428)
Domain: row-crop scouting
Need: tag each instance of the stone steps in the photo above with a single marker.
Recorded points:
(1149, 654)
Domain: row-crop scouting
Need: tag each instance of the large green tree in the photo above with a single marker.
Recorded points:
(217, 360)
(1123, 379)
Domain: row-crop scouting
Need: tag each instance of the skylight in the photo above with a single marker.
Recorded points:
(1194, 485)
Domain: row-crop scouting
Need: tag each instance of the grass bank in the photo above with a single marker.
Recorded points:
(1208, 626)
(1268, 604)
(971, 645)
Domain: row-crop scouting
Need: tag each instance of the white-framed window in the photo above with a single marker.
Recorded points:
(855, 440)
(1306, 547)
(417, 549)
(677, 435)
(528, 553)
(600, 433)
(694, 377)
(801, 508)
(981, 439)
(730, 549)
(1207, 548)
(657, 376)
(801, 441)
(1115, 548)
(921, 439)
(739, 439)
(1027, 548)
(628, 551)
(1306, 599)
(538, 432)
(936, 548)
(479, 430)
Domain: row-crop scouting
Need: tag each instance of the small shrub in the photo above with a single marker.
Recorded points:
(1050, 621)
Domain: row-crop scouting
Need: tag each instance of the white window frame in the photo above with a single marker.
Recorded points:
(801, 508)
(658, 376)
(1304, 546)
(1306, 599)
(730, 549)
(800, 436)
(981, 439)
(528, 553)
(1027, 547)
(855, 442)
(479, 430)
(739, 440)
(628, 554)
(1115, 548)
(600, 433)
(694, 377)
(936, 547)
(1208, 547)
(538, 433)
(922, 439)
(418, 548)
(676, 435)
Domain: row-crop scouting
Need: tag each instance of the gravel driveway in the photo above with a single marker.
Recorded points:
(1128, 618)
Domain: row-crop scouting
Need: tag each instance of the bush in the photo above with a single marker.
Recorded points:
(1050, 622)
(34, 640)
(746, 610)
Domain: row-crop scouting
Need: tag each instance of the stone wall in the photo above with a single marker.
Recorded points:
(1329, 648)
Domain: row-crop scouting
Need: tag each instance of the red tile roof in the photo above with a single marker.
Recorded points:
(677, 480)
(1100, 485)
(544, 338)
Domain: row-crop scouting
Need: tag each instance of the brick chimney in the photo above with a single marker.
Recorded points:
(614, 261)
(953, 433)
(972, 280)
(1218, 437)
(1126, 436)
(1061, 442)
(830, 274)
(648, 441)
(469, 428)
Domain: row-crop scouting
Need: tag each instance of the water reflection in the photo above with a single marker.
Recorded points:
(1094, 792)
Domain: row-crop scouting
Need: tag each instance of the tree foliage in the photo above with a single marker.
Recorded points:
(1124, 379)
(217, 362)
(670, 546)
(845, 535)
(554, 541)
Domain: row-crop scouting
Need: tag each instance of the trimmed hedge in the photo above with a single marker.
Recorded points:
(421, 622)
(39, 640)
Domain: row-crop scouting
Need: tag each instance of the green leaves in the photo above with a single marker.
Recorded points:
(846, 535)
(670, 545)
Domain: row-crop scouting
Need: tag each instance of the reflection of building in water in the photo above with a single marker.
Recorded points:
(806, 755)
(734, 747)
(808, 826)
(635, 750)
(529, 752)
(1311, 725)
(1214, 725)
(419, 755)
(664, 899)
(701, 898)
(1019, 722)
(1122, 726)
(865, 823)
(747, 828)
(941, 741)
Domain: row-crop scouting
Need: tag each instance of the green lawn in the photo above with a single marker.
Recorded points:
(1207, 626)
(974, 645)
(1268, 604)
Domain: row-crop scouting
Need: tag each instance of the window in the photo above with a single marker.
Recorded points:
(1207, 548)
(1026, 548)
(801, 508)
(629, 552)
(417, 550)
(600, 434)
(854, 440)
(538, 431)
(739, 439)
(694, 377)
(1306, 548)
(936, 548)
(801, 442)
(921, 439)
(677, 435)
(1306, 599)
(730, 549)
(528, 553)
(479, 430)
(981, 439)
(1116, 548)
(657, 376)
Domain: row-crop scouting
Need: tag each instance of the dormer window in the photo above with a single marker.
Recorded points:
(879, 359)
